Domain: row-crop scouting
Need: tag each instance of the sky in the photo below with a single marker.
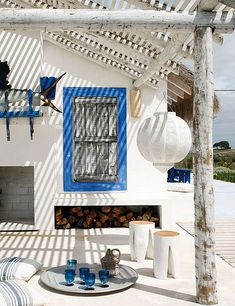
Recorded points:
(224, 78)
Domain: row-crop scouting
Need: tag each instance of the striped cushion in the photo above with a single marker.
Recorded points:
(19, 293)
(18, 268)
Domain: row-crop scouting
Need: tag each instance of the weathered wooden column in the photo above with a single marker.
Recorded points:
(203, 168)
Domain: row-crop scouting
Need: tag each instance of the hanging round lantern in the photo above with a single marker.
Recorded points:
(164, 139)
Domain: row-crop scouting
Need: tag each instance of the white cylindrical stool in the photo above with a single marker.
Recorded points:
(166, 254)
(141, 239)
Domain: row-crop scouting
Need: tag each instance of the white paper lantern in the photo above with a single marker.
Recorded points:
(164, 139)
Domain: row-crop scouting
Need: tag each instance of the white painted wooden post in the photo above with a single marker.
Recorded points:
(203, 168)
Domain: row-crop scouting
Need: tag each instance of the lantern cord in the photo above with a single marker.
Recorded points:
(170, 106)
(163, 99)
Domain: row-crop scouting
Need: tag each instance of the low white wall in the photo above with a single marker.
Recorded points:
(145, 185)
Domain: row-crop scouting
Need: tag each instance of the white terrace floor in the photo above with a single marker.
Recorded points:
(225, 221)
(53, 248)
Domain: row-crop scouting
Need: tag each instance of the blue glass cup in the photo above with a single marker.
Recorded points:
(69, 275)
(82, 272)
(89, 281)
(104, 277)
(72, 264)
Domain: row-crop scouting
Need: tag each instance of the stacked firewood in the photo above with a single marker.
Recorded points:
(98, 217)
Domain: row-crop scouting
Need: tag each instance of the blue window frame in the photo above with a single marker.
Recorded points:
(69, 94)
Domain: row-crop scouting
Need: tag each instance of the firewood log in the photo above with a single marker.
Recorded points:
(67, 226)
(118, 210)
(85, 225)
(80, 213)
(102, 217)
(58, 212)
(129, 215)
(58, 218)
(72, 219)
(126, 223)
(113, 215)
(122, 219)
(89, 221)
(106, 209)
(154, 219)
(98, 224)
(80, 223)
(147, 215)
(117, 223)
(76, 209)
(62, 221)
(86, 212)
(93, 213)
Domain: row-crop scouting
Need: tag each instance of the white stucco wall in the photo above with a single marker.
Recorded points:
(145, 184)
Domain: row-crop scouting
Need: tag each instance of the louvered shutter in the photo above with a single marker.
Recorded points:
(95, 139)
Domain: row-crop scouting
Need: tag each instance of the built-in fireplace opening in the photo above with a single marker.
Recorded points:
(84, 217)
(17, 194)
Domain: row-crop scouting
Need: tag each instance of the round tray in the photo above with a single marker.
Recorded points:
(54, 278)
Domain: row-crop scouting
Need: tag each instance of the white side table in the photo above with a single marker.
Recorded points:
(141, 239)
(166, 254)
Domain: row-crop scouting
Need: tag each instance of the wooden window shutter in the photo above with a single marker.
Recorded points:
(95, 139)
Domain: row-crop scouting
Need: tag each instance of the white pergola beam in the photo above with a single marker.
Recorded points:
(171, 49)
(97, 20)
(95, 36)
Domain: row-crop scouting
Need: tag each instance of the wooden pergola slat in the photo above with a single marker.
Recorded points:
(180, 84)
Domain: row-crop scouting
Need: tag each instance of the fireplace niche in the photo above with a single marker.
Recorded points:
(17, 194)
(85, 217)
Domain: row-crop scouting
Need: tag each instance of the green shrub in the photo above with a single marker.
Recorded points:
(186, 163)
(224, 174)
(222, 169)
(225, 161)
(224, 166)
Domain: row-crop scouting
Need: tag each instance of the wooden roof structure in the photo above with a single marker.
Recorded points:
(146, 57)
(180, 94)
(146, 40)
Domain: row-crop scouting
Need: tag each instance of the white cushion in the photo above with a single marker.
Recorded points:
(19, 293)
(18, 268)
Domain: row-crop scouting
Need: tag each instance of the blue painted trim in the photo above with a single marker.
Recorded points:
(20, 114)
(69, 93)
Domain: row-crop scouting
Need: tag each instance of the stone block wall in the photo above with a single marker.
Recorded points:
(17, 194)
